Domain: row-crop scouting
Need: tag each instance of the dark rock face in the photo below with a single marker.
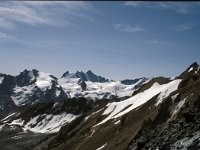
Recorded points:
(65, 74)
(26, 78)
(94, 78)
(6, 86)
(90, 76)
(81, 75)
(83, 85)
(130, 81)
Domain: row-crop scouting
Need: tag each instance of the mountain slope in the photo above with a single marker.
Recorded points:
(160, 114)
(143, 121)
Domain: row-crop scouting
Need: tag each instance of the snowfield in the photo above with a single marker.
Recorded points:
(97, 90)
(44, 80)
(44, 123)
(117, 109)
(21, 94)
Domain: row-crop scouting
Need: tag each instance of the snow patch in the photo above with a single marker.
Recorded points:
(1, 79)
(92, 133)
(100, 148)
(17, 122)
(1, 126)
(8, 116)
(178, 106)
(21, 94)
(190, 69)
(174, 97)
(97, 111)
(57, 93)
(117, 122)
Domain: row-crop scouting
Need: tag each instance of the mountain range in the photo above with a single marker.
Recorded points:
(33, 86)
(83, 111)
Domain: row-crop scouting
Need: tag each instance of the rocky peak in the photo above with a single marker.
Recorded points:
(85, 76)
(26, 77)
(191, 73)
(81, 75)
(193, 67)
(65, 74)
(35, 72)
(94, 78)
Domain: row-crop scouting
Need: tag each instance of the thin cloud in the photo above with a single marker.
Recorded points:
(42, 13)
(128, 28)
(178, 7)
(133, 3)
(183, 27)
(154, 42)
(7, 37)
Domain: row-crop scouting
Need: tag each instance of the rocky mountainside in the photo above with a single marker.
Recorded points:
(160, 114)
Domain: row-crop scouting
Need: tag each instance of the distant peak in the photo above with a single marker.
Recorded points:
(65, 74)
(34, 70)
(193, 67)
(24, 72)
(85, 76)
(78, 72)
(195, 64)
(192, 70)
(89, 71)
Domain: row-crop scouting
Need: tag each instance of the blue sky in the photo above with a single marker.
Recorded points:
(117, 40)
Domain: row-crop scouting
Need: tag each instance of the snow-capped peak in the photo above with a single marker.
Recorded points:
(85, 76)
(191, 71)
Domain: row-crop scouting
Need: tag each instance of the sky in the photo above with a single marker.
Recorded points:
(117, 40)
